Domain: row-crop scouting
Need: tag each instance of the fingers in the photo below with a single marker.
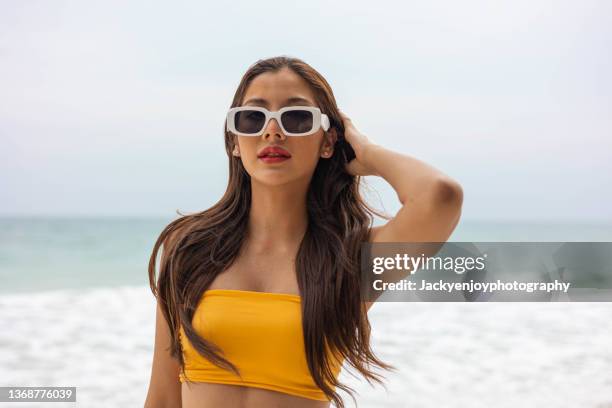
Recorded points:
(345, 117)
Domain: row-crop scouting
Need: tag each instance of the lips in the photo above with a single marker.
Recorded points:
(273, 151)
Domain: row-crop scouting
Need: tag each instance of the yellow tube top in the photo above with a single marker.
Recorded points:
(261, 334)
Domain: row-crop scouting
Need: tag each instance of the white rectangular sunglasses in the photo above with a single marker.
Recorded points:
(293, 120)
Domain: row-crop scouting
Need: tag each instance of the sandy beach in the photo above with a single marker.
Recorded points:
(448, 354)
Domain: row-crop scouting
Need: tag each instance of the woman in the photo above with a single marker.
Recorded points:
(258, 297)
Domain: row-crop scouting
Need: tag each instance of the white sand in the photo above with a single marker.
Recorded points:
(448, 354)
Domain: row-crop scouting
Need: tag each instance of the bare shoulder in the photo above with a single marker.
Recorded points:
(374, 233)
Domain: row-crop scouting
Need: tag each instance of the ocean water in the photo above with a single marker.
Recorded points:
(76, 310)
(39, 254)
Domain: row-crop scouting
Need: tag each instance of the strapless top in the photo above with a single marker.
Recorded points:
(261, 334)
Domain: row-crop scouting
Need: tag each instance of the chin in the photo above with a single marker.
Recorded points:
(275, 179)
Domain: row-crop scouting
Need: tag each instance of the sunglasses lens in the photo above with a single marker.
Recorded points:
(297, 121)
(249, 121)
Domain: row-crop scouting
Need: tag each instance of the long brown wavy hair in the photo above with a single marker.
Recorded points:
(199, 246)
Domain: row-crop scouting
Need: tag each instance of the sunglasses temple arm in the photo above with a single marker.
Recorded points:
(324, 122)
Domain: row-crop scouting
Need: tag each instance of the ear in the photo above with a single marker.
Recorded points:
(236, 150)
(329, 141)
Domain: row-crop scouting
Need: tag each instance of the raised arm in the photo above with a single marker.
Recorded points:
(431, 200)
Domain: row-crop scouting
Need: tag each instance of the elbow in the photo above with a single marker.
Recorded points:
(447, 193)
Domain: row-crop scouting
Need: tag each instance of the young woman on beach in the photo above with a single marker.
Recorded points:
(258, 297)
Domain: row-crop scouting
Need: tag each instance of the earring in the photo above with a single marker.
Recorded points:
(236, 152)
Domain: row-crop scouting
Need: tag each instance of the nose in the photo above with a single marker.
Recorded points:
(273, 129)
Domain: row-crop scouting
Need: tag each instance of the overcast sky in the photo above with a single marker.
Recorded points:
(118, 107)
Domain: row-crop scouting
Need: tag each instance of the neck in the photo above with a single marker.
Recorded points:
(278, 217)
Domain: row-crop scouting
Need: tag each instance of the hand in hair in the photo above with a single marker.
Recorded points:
(359, 142)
